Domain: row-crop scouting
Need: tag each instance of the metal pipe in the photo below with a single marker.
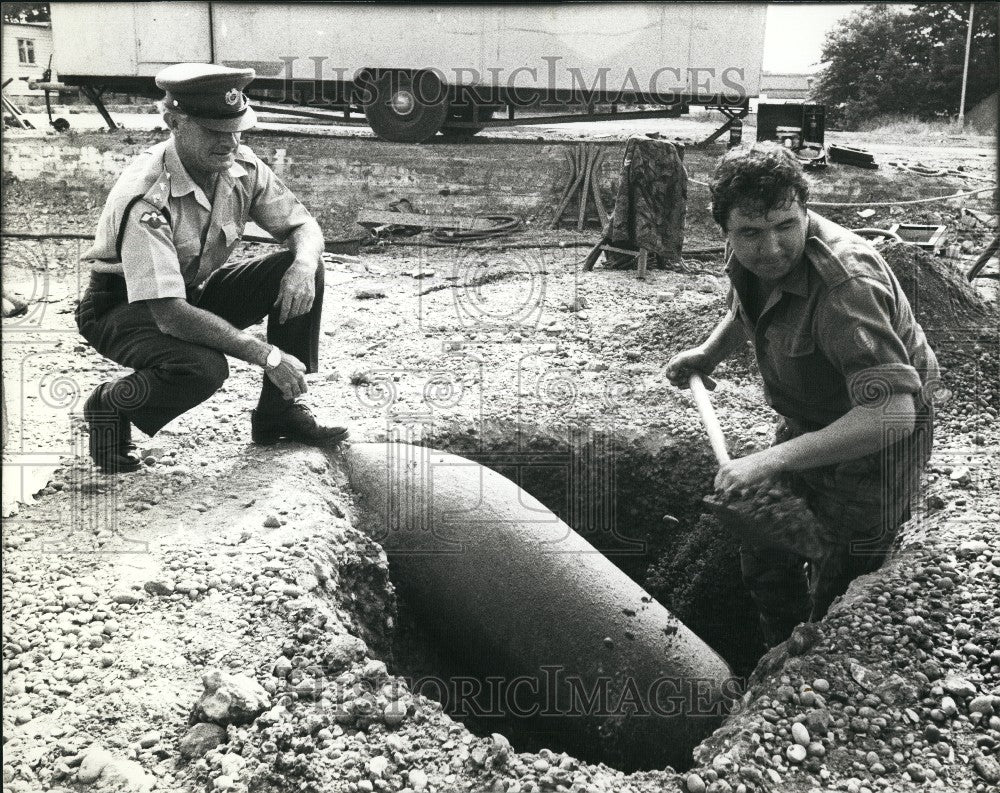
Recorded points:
(211, 33)
(496, 575)
(965, 68)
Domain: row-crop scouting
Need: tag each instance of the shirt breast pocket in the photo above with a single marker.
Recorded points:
(808, 371)
(792, 355)
(799, 345)
(785, 341)
(232, 232)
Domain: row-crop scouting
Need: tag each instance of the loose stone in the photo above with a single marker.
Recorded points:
(796, 753)
(93, 763)
(200, 739)
(695, 784)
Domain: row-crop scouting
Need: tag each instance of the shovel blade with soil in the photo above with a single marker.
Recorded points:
(770, 516)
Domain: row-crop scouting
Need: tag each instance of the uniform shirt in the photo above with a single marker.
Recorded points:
(168, 236)
(836, 332)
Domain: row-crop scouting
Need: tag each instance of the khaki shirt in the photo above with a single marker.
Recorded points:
(169, 236)
(836, 332)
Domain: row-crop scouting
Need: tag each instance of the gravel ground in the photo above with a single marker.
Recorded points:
(215, 622)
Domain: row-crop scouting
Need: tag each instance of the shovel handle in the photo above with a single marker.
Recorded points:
(708, 418)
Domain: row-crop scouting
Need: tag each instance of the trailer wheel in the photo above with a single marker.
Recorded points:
(407, 108)
(467, 113)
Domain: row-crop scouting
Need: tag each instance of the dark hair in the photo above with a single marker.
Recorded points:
(760, 178)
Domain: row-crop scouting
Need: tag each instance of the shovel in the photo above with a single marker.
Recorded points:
(770, 516)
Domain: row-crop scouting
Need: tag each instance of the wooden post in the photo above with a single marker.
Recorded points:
(595, 186)
(574, 185)
(584, 194)
(643, 257)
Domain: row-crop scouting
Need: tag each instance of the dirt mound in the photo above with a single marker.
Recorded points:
(940, 296)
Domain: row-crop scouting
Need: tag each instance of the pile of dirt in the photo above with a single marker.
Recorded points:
(940, 296)
(961, 328)
(894, 690)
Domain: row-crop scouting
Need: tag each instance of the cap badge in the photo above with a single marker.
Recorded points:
(232, 96)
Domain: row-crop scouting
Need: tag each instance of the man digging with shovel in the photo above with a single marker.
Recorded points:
(844, 363)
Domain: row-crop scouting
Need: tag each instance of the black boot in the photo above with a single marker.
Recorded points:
(295, 423)
(110, 431)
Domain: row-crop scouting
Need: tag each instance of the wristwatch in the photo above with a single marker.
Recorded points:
(273, 359)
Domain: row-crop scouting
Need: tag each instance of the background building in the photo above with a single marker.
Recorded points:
(26, 50)
(786, 85)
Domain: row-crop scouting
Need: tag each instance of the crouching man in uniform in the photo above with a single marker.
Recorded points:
(163, 301)
(844, 363)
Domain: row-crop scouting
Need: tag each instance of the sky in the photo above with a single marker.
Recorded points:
(794, 34)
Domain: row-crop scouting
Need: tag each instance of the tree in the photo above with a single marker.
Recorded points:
(25, 12)
(892, 59)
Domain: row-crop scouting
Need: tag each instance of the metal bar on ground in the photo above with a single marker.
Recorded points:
(33, 235)
(385, 217)
(349, 247)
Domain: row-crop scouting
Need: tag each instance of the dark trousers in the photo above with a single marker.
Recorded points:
(172, 376)
(861, 503)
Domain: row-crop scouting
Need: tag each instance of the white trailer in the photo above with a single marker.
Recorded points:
(417, 69)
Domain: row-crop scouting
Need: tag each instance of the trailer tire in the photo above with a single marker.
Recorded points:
(407, 108)
(467, 113)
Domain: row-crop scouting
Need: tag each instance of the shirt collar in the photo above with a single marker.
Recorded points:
(181, 182)
(236, 170)
(797, 281)
(817, 250)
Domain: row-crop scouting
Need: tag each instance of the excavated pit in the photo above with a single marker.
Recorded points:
(637, 499)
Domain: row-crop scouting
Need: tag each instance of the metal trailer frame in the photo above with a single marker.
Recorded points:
(94, 89)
